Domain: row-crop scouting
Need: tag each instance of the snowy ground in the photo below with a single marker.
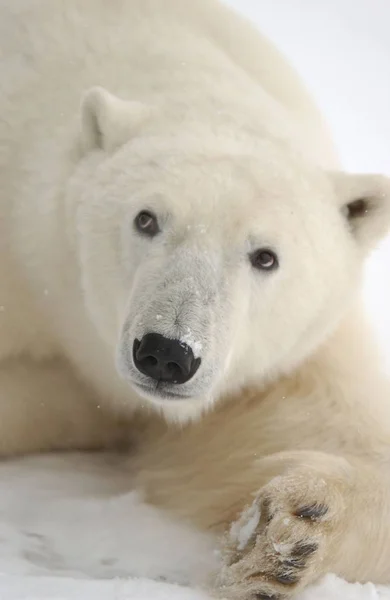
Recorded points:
(71, 530)
(69, 527)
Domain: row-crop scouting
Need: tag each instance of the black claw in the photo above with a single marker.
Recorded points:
(261, 596)
(266, 504)
(294, 563)
(312, 511)
(266, 510)
(287, 578)
(304, 549)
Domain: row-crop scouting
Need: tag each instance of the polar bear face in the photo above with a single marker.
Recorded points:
(211, 263)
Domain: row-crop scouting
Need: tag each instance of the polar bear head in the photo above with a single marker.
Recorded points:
(212, 261)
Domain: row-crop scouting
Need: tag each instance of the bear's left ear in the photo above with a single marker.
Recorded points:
(365, 203)
(107, 121)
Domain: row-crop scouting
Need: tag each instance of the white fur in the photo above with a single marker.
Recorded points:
(182, 109)
(219, 149)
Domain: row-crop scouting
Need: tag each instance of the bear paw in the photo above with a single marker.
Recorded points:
(283, 541)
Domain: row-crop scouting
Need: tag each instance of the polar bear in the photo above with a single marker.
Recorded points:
(180, 266)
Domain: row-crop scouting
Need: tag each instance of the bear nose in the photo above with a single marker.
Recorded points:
(163, 359)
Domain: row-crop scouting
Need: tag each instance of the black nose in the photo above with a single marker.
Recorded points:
(166, 360)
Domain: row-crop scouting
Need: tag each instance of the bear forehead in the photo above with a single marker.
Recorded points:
(221, 162)
(238, 194)
(238, 177)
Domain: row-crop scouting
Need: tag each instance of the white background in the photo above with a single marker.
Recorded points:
(341, 48)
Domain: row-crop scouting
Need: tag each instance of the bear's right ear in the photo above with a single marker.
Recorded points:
(107, 122)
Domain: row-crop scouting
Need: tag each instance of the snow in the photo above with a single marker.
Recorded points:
(71, 525)
(242, 530)
(188, 340)
(71, 528)
(77, 514)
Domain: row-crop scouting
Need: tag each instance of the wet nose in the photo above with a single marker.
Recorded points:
(163, 359)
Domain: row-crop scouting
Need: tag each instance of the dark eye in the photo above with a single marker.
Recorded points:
(146, 223)
(264, 259)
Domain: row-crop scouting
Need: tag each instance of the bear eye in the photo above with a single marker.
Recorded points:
(146, 223)
(264, 259)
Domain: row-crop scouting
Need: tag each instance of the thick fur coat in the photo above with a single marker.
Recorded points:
(164, 173)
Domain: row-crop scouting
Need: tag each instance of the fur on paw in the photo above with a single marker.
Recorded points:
(282, 541)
